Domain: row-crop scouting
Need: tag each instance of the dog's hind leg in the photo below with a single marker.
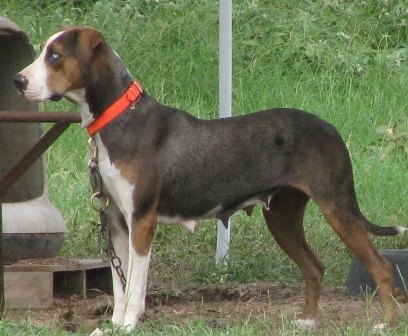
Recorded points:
(349, 224)
(284, 218)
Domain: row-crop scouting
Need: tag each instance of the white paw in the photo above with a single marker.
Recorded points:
(112, 331)
(97, 332)
(402, 230)
(379, 328)
(306, 324)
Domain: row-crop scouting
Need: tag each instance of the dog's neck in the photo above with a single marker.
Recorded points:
(103, 88)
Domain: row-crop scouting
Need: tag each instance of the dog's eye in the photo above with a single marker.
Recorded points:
(53, 56)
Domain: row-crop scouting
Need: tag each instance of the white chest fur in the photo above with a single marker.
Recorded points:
(119, 189)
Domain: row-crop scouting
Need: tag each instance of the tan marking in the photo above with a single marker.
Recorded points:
(139, 173)
(142, 232)
(143, 229)
(355, 236)
(285, 222)
(65, 77)
(129, 170)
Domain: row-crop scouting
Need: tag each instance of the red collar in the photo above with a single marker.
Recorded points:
(122, 104)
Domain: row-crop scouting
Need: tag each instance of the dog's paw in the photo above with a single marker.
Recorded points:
(402, 230)
(306, 324)
(97, 332)
(379, 328)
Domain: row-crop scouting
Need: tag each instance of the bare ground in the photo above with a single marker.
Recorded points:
(218, 305)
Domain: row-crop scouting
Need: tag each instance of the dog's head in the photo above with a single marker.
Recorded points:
(67, 62)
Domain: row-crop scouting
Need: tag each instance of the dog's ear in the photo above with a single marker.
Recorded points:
(89, 44)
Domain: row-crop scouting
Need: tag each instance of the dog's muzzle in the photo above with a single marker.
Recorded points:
(20, 82)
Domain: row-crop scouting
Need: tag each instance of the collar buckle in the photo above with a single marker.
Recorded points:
(132, 94)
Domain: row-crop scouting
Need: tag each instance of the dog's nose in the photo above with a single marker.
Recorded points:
(20, 82)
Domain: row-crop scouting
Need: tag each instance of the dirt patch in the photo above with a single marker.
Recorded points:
(217, 305)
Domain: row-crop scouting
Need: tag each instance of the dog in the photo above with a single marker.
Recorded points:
(154, 162)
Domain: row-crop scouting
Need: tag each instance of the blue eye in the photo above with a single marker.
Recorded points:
(53, 56)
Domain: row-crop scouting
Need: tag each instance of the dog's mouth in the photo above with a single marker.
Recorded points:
(34, 93)
(55, 97)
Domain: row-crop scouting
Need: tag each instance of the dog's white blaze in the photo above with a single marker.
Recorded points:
(36, 74)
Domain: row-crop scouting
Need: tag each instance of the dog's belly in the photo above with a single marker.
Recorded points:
(220, 212)
(182, 218)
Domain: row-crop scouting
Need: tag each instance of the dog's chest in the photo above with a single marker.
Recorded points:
(118, 188)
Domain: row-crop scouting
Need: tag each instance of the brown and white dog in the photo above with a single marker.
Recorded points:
(154, 164)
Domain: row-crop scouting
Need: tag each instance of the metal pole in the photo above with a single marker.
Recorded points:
(2, 296)
(1, 262)
(225, 105)
(39, 117)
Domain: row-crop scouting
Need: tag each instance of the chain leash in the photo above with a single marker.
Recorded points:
(99, 203)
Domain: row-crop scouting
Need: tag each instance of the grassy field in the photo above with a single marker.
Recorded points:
(346, 61)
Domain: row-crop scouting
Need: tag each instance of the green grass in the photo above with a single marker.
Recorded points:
(346, 61)
(251, 326)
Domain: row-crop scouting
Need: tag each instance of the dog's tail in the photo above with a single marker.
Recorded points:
(384, 230)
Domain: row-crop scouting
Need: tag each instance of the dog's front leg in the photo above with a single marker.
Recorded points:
(120, 237)
(141, 235)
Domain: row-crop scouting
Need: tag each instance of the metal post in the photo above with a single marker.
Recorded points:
(1, 263)
(225, 105)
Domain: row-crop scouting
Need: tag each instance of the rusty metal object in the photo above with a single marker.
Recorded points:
(39, 117)
(62, 121)
(33, 155)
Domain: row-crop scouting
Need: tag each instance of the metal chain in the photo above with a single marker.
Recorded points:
(99, 203)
